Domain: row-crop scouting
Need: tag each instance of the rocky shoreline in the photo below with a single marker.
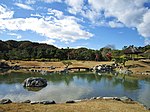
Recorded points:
(123, 99)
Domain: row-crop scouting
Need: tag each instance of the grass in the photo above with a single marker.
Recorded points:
(84, 106)
(136, 66)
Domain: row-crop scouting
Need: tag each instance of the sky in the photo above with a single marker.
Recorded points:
(77, 23)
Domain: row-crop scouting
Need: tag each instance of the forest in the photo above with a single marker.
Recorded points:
(26, 50)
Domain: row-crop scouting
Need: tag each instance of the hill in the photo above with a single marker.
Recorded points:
(26, 50)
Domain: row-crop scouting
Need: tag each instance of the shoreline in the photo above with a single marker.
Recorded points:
(139, 68)
(100, 104)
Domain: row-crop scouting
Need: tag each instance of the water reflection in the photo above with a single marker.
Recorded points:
(60, 93)
(33, 88)
(74, 86)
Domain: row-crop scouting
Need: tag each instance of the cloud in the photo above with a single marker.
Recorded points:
(5, 12)
(50, 1)
(75, 6)
(147, 41)
(56, 13)
(55, 26)
(16, 35)
(36, 15)
(115, 13)
(144, 26)
(23, 6)
(48, 41)
(30, 1)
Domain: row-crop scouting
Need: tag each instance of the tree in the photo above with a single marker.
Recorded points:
(105, 51)
(67, 64)
(121, 60)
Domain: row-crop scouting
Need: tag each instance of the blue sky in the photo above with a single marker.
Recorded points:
(77, 23)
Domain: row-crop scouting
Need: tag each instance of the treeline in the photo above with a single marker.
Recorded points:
(26, 50)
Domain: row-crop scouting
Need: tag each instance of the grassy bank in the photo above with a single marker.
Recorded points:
(140, 69)
(84, 106)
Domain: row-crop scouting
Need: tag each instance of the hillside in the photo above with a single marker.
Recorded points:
(26, 50)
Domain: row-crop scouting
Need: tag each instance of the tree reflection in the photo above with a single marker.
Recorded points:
(126, 83)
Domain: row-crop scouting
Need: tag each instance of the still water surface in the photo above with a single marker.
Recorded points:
(74, 86)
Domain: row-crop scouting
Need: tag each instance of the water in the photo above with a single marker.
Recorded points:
(63, 87)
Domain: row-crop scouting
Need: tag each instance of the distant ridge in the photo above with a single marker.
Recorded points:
(11, 44)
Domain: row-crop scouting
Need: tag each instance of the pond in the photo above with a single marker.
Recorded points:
(63, 87)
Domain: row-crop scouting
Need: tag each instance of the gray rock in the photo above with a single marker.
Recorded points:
(26, 101)
(125, 99)
(92, 98)
(108, 98)
(48, 102)
(98, 98)
(71, 101)
(117, 99)
(126, 72)
(5, 101)
(77, 100)
(35, 82)
(34, 102)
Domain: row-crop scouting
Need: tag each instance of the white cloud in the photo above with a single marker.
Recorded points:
(23, 6)
(56, 26)
(5, 12)
(144, 26)
(16, 35)
(147, 41)
(115, 13)
(55, 13)
(36, 15)
(50, 1)
(30, 1)
(115, 24)
(48, 41)
(75, 5)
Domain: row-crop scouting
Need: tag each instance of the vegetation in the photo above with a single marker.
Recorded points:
(120, 60)
(3, 65)
(67, 63)
(26, 50)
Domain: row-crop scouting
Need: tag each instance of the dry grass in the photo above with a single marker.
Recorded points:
(139, 67)
(85, 106)
(57, 64)
(136, 66)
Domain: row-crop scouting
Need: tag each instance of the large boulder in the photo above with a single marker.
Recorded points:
(35, 82)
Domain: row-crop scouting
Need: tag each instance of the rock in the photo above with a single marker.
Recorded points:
(26, 101)
(103, 68)
(5, 101)
(34, 102)
(71, 101)
(77, 100)
(48, 102)
(35, 82)
(117, 99)
(92, 98)
(98, 98)
(125, 99)
(126, 72)
(108, 98)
